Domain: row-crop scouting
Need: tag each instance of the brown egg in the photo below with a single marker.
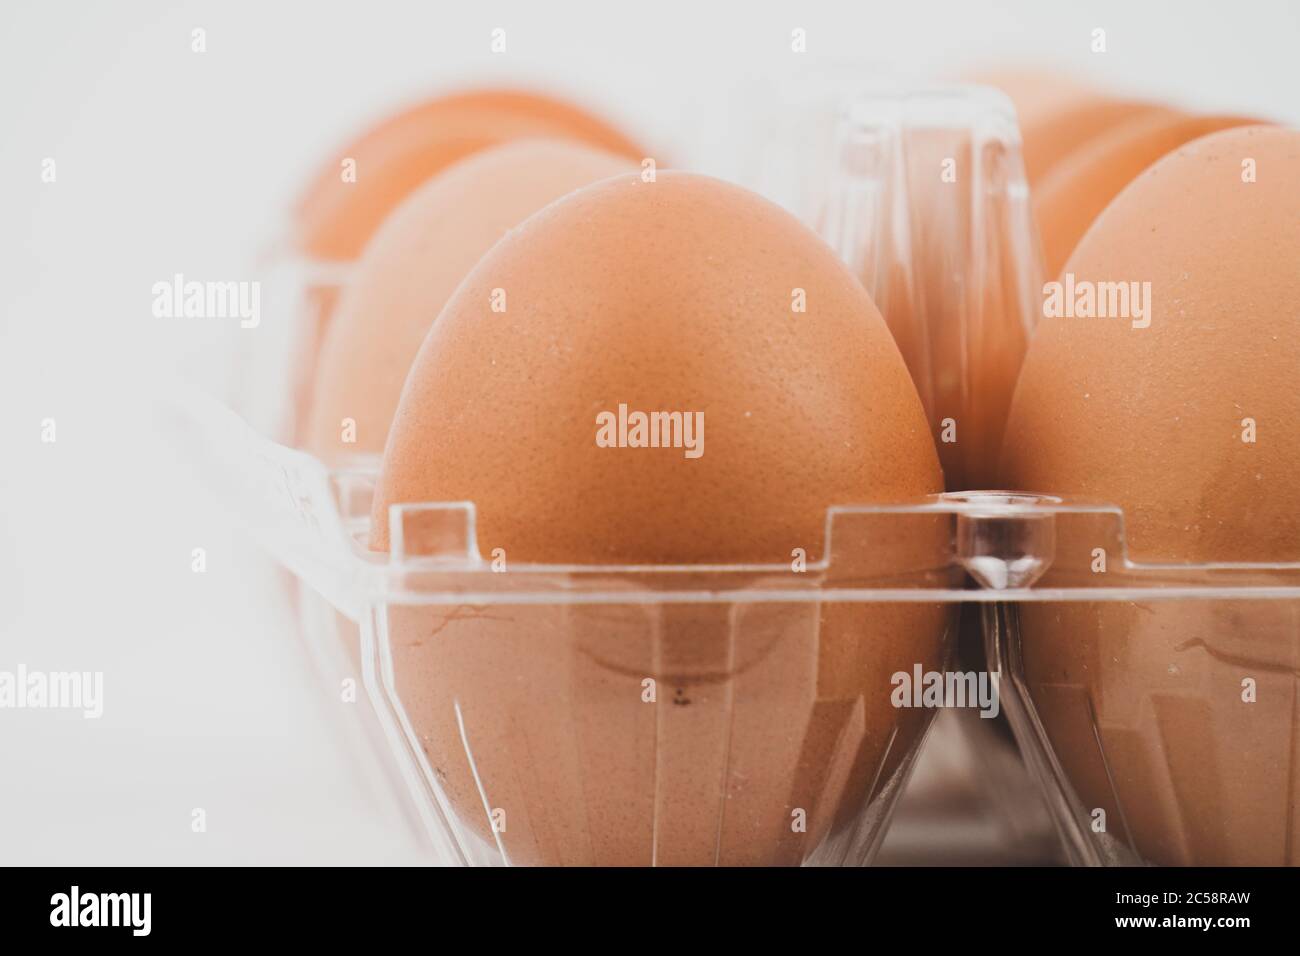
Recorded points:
(680, 295)
(412, 266)
(1188, 424)
(1058, 114)
(1051, 138)
(1079, 187)
(335, 218)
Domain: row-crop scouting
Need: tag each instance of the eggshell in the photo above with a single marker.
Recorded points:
(1080, 186)
(412, 266)
(335, 218)
(1143, 703)
(1221, 346)
(1058, 114)
(668, 295)
(676, 295)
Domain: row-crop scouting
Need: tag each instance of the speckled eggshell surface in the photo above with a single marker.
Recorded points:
(680, 294)
(1152, 418)
(1189, 425)
(1074, 193)
(677, 295)
(421, 253)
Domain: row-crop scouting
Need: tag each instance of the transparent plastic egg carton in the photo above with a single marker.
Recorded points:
(1157, 704)
(746, 715)
(922, 193)
(275, 370)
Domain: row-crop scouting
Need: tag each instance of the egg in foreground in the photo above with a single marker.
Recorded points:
(1182, 411)
(685, 296)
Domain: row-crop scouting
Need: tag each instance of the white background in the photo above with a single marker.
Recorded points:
(169, 161)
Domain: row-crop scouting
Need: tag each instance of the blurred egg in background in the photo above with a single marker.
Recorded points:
(411, 267)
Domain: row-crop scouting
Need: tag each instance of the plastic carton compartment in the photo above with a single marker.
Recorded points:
(673, 716)
(1156, 704)
(743, 714)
